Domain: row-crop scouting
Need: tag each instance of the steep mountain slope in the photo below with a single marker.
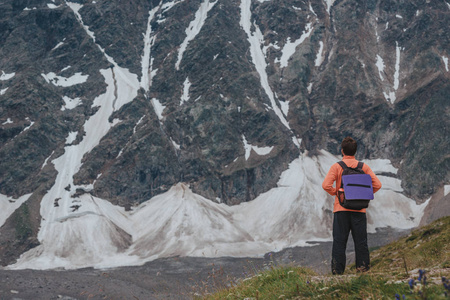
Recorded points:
(122, 101)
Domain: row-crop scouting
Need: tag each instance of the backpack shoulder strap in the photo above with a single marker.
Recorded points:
(342, 164)
(344, 167)
(360, 165)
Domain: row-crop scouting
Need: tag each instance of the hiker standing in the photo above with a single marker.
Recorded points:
(348, 220)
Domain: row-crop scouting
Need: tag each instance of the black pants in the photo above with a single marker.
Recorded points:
(345, 222)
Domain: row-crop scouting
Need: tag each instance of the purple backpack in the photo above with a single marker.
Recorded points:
(356, 188)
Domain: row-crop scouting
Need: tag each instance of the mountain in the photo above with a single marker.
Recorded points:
(144, 129)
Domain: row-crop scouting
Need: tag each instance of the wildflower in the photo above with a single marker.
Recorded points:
(421, 273)
(411, 283)
(397, 297)
(446, 283)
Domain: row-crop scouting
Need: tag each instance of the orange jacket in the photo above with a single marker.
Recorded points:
(335, 175)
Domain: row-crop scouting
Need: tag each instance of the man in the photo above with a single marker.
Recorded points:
(347, 220)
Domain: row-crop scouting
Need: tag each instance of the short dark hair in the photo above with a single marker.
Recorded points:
(349, 146)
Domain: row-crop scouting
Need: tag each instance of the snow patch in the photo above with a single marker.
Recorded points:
(379, 166)
(297, 141)
(58, 45)
(46, 160)
(329, 4)
(71, 137)
(185, 96)
(390, 96)
(284, 107)
(445, 60)
(311, 9)
(289, 47)
(5, 76)
(29, 126)
(137, 124)
(75, 79)
(397, 66)
(159, 108)
(319, 57)
(70, 103)
(398, 16)
(194, 28)
(52, 6)
(258, 150)
(146, 62)
(8, 121)
(3, 91)
(168, 5)
(264, 49)
(376, 31)
(446, 189)
(175, 145)
(380, 66)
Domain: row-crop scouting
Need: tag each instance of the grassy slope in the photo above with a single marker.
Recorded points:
(426, 248)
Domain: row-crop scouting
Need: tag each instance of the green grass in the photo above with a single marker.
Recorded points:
(427, 248)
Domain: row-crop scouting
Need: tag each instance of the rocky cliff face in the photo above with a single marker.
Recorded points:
(221, 95)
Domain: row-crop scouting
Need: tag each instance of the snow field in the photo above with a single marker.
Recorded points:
(180, 222)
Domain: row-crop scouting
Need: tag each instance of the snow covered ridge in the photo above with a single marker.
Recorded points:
(180, 222)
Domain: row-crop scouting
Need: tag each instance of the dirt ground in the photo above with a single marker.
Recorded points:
(169, 278)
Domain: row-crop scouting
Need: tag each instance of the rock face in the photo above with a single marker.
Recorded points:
(224, 95)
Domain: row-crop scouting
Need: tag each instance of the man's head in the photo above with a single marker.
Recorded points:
(349, 146)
